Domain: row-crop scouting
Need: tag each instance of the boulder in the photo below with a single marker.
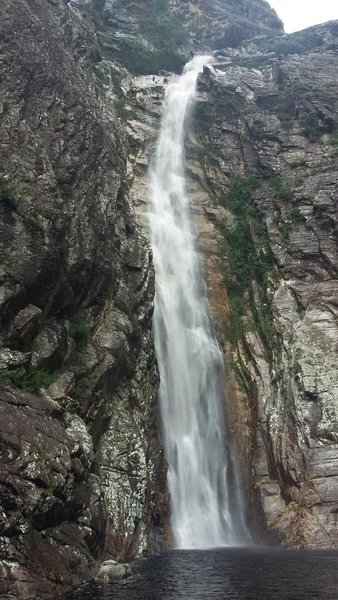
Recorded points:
(111, 571)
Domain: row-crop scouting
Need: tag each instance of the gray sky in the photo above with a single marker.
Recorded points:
(298, 14)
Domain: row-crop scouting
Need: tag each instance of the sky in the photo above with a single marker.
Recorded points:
(299, 14)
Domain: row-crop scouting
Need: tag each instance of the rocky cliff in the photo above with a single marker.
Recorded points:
(266, 137)
(261, 153)
(80, 454)
(82, 472)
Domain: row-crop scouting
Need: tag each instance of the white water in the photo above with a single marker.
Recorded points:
(190, 362)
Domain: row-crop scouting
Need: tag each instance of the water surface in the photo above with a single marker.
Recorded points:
(225, 574)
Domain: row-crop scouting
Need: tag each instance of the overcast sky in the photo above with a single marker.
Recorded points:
(298, 14)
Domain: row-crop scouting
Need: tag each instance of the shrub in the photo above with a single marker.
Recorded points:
(19, 377)
(248, 260)
(79, 324)
(310, 126)
(282, 189)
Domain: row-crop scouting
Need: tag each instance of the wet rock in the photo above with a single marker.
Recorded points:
(111, 571)
(26, 324)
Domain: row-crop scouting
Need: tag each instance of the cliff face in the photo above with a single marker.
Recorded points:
(79, 445)
(82, 472)
(261, 153)
(266, 125)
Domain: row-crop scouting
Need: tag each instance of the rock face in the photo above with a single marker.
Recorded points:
(82, 474)
(82, 470)
(268, 137)
(261, 152)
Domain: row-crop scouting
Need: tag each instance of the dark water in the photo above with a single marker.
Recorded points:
(225, 574)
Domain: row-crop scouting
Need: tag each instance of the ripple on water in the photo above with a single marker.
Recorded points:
(225, 574)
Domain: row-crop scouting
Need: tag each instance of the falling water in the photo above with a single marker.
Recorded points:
(203, 501)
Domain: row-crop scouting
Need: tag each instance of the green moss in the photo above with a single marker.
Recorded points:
(249, 257)
(21, 378)
(154, 47)
(310, 126)
(203, 116)
(141, 59)
(282, 189)
(13, 190)
(162, 27)
(244, 378)
(295, 213)
(332, 139)
(324, 220)
(285, 228)
(80, 325)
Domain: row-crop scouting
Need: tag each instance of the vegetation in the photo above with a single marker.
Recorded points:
(332, 140)
(203, 116)
(163, 30)
(12, 190)
(282, 189)
(310, 126)
(79, 325)
(154, 47)
(21, 378)
(295, 43)
(249, 258)
(324, 220)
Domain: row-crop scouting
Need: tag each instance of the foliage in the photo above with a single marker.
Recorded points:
(332, 139)
(295, 43)
(285, 229)
(295, 213)
(249, 257)
(154, 47)
(79, 325)
(282, 189)
(12, 190)
(21, 378)
(162, 27)
(310, 126)
(142, 59)
(324, 220)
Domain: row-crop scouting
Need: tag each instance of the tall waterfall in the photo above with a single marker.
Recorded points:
(204, 512)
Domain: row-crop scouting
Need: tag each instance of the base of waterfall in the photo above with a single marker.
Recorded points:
(255, 573)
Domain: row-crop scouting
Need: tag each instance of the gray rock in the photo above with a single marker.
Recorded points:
(111, 571)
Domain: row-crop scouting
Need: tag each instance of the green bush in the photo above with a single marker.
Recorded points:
(325, 221)
(12, 190)
(19, 377)
(247, 260)
(332, 139)
(310, 126)
(282, 189)
(79, 324)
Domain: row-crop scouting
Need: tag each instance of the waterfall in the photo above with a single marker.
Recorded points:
(206, 501)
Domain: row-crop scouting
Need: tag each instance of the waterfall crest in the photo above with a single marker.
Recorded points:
(207, 510)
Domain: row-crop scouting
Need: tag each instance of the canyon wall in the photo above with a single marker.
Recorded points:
(266, 136)
(82, 473)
